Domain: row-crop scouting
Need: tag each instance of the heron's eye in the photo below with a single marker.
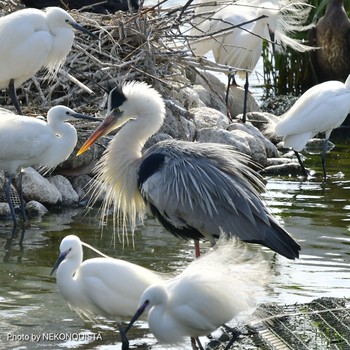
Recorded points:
(66, 20)
(67, 113)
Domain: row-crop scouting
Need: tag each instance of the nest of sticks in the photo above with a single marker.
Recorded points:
(149, 45)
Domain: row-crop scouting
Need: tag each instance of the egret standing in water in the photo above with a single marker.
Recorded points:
(320, 109)
(27, 141)
(32, 39)
(210, 292)
(195, 190)
(100, 286)
(254, 20)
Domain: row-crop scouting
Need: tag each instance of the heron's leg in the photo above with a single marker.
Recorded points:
(324, 157)
(21, 199)
(246, 85)
(197, 250)
(8, 197)
(13, 95)
(303, 170)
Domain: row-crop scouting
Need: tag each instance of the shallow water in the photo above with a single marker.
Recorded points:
(316, 213)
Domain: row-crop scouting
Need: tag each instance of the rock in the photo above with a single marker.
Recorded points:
(5, 210)
(82, 185)
(211, 91)
(277, 161)
(176, 123)
(36, 187)
(287, 169)
(224, 137)
(235, 104)
(206, 117)
(270, 148)
(35, 208)
(69, 196)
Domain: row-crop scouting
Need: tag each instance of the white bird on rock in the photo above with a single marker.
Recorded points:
(320, 109)
(32, 39)
(195, 190)
(211, 291)
(100, 286)
(27, 141)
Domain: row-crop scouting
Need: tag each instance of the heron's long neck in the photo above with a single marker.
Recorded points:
(118, 169)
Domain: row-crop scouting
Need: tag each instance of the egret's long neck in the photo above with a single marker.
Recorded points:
(66, 282)
(62, 147)
(118, 168)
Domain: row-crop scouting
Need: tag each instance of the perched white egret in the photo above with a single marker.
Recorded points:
(195, 190)
(32, 39)
(27, 141)
(100, 286)
(210, 292)
(235, 32)
(320, 109)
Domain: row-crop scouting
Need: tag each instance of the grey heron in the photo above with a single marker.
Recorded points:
(195, 190)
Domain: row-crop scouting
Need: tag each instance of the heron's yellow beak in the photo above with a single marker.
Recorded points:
(108, 124)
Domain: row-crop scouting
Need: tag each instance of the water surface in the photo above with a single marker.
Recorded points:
(315, 212)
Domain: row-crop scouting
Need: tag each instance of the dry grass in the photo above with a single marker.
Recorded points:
(149, 45)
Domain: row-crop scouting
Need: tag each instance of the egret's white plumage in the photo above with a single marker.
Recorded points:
(32, 39)
(241, 47)
(100, 286)
(27, 141)
(320, 109)
(254, 20)
(195, 190)
(211, 291)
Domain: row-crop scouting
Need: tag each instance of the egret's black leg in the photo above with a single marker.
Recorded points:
(200, 346)
(246, 85)
(303, 170)
(8, 197)
(125, 341)
(13, 95)
(230, 78)
(324, 158)
(20, 192)
(195, 342)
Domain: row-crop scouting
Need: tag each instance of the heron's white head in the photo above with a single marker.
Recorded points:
(70, 249)
(133, 100)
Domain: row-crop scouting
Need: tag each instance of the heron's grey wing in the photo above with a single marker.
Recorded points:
(198, 191)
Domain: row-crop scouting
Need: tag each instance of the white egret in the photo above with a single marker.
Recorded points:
(320, 109)
(100, 286)
(30, 40)
(26, 141)
(235, 32)
(331, 36)
(194, 190)
(211, 291)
